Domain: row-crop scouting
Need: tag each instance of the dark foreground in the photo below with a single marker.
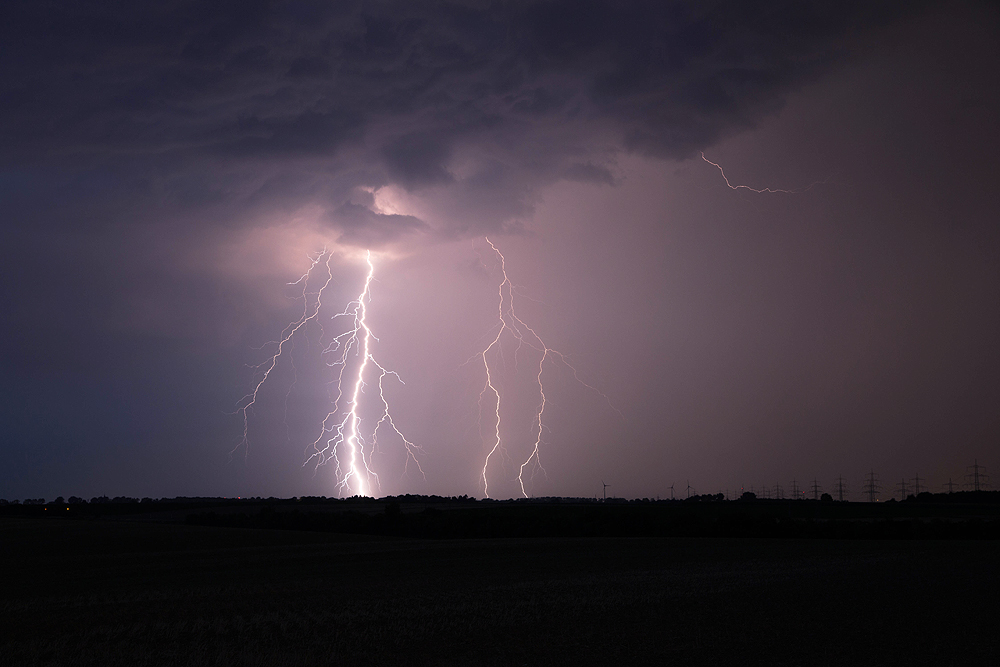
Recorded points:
(104, 592)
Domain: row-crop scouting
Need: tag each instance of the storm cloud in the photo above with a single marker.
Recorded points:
(204, 110)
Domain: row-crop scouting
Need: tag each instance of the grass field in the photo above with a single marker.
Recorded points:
(101, 592)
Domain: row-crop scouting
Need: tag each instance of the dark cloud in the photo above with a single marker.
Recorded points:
(407, 92)
(417, 160)
(307, 133)
(589, 173)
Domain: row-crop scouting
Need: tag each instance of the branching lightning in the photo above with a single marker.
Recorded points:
(345, 430)
(348, 435)
(510, 324)
(264, 369)
(342, 438)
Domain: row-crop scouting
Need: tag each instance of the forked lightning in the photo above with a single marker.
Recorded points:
(342, 438)
(511, 324)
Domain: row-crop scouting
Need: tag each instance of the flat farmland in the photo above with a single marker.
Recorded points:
(109, 592)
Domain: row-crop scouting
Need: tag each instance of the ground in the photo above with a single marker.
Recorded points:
(109, 592)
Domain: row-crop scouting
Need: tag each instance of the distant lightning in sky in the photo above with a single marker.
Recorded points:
(763, 190)
(343, 438)
(744, 187)
(511, 325)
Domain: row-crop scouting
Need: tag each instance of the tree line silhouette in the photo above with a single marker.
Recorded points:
(960, 515)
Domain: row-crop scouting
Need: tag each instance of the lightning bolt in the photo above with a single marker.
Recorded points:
(342, 438)
(509, 323)
(264, 369)
(345, 426)
(763, 190)
(744, 187)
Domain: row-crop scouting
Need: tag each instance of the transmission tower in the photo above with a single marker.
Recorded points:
(871, 487)
(901, 489)
(978, 479)
(795, 490)
(951, 485)
(815, 489)
(841, 488)
(916, 484)
(779, 493)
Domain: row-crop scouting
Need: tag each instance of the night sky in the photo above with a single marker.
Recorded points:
(166, 169)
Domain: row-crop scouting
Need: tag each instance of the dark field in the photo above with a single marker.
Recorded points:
(109, 592)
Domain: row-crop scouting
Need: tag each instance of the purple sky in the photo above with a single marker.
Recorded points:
(165, 173)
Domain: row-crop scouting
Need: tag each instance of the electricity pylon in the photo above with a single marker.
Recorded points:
(978, 479)
(841, 488)
(871, 487)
